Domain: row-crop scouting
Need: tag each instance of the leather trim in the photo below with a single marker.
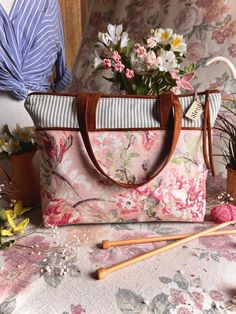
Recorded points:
(207, 137)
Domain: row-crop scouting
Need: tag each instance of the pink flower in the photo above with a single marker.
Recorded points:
(140, 50)
(196, 50)
(106, 63)
(119, 67)
(183, 310)
(77, 309)
(218, 36)
(115, 56)
(182, 82)
(222, 246)
(232, 50)
(136, 47)
(102, 257)
(151, 42)
(149, 139)
(198, 300)
(128, 204)
(216, 295)
(177, 297)
(215, 9)
(129, 73)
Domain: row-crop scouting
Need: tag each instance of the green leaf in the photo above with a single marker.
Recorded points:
(4, 155)
(129, 47)
(165, 279)
(3, 216)
(189, 68)
(133, 155)
(6, 130)
(111, 79)
(179, 160)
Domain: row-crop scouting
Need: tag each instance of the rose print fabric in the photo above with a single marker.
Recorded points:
(74, 192)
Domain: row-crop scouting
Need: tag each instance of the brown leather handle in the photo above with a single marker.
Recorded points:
(83, 102)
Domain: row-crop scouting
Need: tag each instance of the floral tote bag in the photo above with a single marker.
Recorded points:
(113, 159)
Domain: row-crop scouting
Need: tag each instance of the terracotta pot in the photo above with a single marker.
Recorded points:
(25, 177)
(231, 182)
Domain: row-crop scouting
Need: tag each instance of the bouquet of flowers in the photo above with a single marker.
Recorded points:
(144, 69)
(20, 140)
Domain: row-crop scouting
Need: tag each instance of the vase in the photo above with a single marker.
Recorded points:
(231, 182)
(25, 177)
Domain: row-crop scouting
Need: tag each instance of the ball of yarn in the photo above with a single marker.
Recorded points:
(223, 213)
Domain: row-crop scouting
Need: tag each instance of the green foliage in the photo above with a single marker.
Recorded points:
(227, 129)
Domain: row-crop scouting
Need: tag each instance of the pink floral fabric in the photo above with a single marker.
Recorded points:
(74, 192)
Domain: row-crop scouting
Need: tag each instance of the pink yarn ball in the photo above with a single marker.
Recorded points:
(223, 213)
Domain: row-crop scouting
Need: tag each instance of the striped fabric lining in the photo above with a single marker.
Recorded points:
(54, 111)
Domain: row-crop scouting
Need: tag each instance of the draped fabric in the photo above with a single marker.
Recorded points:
(31, 42)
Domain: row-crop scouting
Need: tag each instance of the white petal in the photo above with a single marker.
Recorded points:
(124, 40)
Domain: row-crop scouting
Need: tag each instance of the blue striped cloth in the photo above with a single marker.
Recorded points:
(31, 42)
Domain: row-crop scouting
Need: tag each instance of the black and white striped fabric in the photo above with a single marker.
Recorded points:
(56, 111)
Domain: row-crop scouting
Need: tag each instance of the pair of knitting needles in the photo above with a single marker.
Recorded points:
(182, 239)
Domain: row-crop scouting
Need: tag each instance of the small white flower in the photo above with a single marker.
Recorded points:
(124, 40)
(138, 64)
(104, 38)
(163, 36)
(115, 34)
(167, 61)
(12, 146)
(177, 43)
(24, 134)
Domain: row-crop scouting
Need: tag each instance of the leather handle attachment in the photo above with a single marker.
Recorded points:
(83, 103)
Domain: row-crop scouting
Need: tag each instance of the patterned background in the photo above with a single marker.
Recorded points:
(209, 27)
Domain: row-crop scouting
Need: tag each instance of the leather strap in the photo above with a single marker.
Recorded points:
(83, 104)
(166, 113)
(207, 136)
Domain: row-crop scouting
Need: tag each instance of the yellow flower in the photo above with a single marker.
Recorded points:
(163, 36)
(17, 211)
(20, 228)
(11, 214)
(177, 43)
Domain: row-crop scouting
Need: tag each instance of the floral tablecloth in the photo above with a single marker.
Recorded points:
(52, 270)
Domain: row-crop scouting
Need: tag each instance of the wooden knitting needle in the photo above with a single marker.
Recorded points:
(103, 272)
(106, 244)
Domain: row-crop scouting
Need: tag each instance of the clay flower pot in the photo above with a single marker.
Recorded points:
(231, 182)
(25, 177)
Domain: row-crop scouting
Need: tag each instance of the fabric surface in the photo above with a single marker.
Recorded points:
(209, 28)
(31, 42)
(195, 278)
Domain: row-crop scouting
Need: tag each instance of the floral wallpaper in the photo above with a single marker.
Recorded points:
(209, 27)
